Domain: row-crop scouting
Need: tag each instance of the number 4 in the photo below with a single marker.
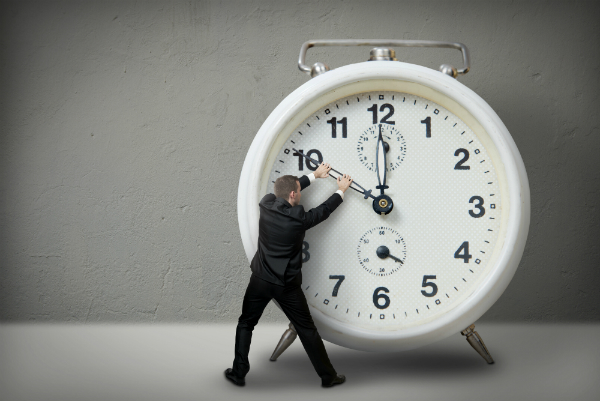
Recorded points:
(465, 256)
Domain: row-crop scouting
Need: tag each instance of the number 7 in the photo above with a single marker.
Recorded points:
(337, 285)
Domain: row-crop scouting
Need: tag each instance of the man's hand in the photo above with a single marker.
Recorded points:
(322, 171)
(344, 182)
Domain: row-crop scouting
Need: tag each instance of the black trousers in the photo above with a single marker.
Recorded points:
(293, 303)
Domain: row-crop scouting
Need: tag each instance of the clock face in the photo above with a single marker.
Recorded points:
(434, 249)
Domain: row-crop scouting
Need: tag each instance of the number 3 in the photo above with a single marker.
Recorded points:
(478, 206)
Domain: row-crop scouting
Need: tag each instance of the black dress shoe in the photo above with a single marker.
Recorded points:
(338, 380)
(236, 380)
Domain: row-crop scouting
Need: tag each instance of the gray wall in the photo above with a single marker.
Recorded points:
(124, 126)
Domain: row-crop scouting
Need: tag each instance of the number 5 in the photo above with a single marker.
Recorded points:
(434, 288)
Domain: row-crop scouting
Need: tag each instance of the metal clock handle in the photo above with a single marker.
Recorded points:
(319, 68)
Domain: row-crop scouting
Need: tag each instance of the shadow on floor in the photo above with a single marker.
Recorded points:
(293, 368)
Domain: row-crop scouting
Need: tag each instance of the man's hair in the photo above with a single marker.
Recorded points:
(284, 185)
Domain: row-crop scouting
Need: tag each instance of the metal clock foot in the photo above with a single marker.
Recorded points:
(286, 340)
(477, 343)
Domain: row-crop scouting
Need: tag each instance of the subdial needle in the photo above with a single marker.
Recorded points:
(384, 252)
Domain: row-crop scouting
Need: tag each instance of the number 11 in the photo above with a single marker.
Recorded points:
(333, 123)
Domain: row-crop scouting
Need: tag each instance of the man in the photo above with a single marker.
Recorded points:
(276, 271)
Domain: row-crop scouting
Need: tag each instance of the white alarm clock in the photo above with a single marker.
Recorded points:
(438, 224)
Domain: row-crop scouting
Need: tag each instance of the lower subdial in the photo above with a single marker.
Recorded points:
(381, 251)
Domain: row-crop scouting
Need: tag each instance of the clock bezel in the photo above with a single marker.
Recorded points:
(449, 93)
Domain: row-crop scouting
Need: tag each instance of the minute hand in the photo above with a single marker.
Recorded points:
(365, 192)
(380, 161)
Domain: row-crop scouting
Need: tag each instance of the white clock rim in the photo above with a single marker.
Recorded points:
(490, 289)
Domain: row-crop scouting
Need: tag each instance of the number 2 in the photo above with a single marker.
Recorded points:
(459, 165)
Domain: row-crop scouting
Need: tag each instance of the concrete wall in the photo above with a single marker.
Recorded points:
(124, 126)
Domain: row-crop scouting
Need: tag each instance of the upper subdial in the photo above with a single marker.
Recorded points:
(381, 251)
(395, 149)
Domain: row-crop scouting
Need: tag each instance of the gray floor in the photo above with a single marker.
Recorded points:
(186, 362)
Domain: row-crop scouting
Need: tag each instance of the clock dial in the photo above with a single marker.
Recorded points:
(444, 226)
(387, 244)
(392, 136)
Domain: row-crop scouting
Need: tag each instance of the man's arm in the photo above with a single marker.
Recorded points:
(305, 181)
(320, 213)
(321, 172)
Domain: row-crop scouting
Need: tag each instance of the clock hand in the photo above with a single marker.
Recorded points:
(380, 162)
(384, 252)
(383, 204)
(365, 192)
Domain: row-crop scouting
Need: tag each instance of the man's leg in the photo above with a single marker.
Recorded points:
(294, 305)
(258, 295)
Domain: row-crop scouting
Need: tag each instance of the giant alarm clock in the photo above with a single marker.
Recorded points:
(437, 226)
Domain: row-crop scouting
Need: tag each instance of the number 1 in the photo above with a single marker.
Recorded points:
(427, 123)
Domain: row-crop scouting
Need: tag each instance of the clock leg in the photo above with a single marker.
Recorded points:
(477, 343)
(286, 340)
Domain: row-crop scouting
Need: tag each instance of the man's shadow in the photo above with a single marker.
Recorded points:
(293, 368)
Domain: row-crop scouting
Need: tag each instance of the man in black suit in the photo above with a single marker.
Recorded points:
(276, 271)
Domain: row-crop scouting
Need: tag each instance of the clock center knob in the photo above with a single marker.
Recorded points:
(383, 204)
(383, 252)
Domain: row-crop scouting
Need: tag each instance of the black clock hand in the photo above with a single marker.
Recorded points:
(384, 252)
(365, 192)
(380, 162)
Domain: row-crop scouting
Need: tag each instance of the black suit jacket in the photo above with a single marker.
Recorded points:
(281, 230)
